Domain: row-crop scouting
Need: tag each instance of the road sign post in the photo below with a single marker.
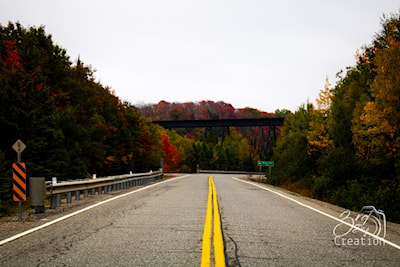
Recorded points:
(268, 164)
(19, 177)
(269, 174)
(19, 146)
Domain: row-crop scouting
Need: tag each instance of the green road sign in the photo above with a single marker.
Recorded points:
(265, 163)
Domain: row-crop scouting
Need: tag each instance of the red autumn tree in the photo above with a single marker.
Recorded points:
(171, 158)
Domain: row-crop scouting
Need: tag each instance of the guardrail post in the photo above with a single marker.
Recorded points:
(55, 201)
(93, 191)
(86, 193)
(69, 197)
(58, 198)
(77, 195)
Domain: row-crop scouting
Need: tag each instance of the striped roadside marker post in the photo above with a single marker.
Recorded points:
(19, 177)
(19, 181)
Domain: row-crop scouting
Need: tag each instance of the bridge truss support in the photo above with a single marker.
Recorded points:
(221, 132)
(272, 136)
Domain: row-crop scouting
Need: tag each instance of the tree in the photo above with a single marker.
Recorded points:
(282, 113)
(376, 130)
(292, 160)
(318, 135)
(145, 141)
(324, 101)
(184, 151)
(171, 158)
(32, 65)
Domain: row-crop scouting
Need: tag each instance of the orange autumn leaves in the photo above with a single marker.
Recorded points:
(376, 131)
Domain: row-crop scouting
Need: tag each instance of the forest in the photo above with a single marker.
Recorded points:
(72, 126)
(344, 149)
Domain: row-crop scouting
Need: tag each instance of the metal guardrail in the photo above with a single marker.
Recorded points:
(104, 185)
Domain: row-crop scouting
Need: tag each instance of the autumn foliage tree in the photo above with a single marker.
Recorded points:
(376, 132)
(72, 125)
(171, 158)
(318, 136)
(354, 139)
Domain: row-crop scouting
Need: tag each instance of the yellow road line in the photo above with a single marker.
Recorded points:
(206, 248)
(219, 253)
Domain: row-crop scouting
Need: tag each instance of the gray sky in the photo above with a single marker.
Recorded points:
(250, 53)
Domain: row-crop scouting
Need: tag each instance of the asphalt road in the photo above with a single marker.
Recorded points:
(163, 226)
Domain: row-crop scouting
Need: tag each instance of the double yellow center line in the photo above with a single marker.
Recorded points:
(212, 212)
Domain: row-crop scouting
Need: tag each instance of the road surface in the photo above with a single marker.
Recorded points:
(163, 226)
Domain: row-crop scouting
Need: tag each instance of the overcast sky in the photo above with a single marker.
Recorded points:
(251, 53)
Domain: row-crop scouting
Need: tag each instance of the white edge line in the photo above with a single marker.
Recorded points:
(12, 238)
(321, 212)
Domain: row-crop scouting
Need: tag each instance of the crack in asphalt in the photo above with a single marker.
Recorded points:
(237, 261)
